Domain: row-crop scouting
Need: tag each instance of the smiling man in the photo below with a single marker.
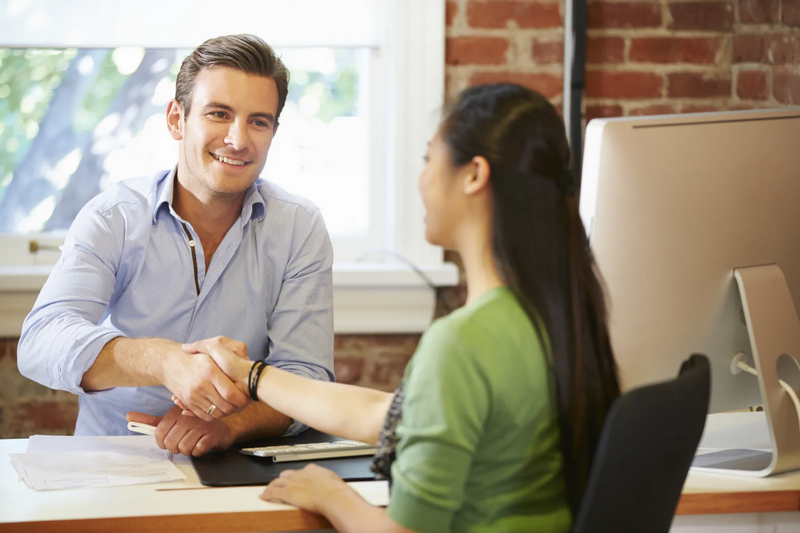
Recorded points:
(206, 249)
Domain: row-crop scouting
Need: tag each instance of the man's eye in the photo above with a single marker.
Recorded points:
(218, 114)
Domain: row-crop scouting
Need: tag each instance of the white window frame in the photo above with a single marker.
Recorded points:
(369, 297)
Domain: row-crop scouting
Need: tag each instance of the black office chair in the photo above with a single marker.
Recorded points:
(647, 445)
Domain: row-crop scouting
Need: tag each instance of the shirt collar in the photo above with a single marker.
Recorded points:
(253, 205)
(165, 187)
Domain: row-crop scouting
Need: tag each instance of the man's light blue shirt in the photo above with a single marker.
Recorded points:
(126, 270)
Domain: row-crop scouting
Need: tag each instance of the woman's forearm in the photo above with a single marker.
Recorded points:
(343, 410)
(348, 512)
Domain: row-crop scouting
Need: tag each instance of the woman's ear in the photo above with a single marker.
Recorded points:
(174, 122)
(477, 176)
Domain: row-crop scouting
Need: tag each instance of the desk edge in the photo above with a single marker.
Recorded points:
(738, 502)
(239, 522)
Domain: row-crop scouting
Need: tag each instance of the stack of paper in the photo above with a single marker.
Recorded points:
(53, 463)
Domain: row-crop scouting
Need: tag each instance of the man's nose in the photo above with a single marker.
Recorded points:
(237, 135)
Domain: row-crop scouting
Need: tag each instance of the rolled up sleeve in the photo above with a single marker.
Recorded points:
(62, 336)
(301, 325)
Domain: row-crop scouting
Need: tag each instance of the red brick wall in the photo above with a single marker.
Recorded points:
(644, 57)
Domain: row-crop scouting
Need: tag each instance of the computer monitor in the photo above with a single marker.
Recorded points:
(674, 206)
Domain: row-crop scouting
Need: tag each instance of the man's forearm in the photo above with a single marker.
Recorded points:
(195, 379)
(257, 420)
(127, 362)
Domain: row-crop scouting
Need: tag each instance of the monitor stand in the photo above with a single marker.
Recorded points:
(774, 330)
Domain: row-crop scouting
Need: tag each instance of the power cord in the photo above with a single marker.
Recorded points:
(402, 259)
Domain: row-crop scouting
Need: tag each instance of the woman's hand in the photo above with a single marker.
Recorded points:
(230, 356)
(310, 488)
(320, 491)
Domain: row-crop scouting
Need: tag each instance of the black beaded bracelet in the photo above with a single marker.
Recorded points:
(250, 377)
(253, 379)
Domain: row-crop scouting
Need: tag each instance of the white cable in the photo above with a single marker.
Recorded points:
(790, 391)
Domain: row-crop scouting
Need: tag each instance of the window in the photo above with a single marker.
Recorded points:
(74, 121)
(367, 87)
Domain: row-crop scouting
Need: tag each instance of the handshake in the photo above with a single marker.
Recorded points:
(208, 380)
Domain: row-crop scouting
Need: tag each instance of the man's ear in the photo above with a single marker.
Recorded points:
(174, 120)
(477, 177)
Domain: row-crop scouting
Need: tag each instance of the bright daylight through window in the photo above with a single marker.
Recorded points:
(74, 121)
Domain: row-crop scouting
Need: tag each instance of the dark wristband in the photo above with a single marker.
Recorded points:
(258, 367)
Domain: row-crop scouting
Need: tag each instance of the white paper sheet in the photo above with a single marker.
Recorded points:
(53, 463)
(143, 445)
(735, 430)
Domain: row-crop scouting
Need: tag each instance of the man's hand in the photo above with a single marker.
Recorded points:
(195, 379)
(228, 354)
(200, 384)
(186, 434)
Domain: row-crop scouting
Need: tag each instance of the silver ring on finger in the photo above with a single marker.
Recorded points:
(211, 410)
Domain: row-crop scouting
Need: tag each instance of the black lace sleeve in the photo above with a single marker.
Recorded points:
(387, 442)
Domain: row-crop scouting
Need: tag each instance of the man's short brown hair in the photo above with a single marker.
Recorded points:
(244, 52)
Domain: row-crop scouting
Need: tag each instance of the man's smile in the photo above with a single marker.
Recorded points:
(229, 160)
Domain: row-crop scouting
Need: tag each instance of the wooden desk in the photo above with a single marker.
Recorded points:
(724, 503)
(716, 494)
(705, 493)
(184, 506)
(189, 507)
(720, 504)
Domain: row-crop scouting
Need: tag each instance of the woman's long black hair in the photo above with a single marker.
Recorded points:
(542, 252)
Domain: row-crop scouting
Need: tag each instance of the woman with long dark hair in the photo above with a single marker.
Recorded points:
(500, 409)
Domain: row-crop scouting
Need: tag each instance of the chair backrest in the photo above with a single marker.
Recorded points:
(646, 447)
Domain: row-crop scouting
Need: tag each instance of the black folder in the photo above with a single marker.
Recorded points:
(231, 468)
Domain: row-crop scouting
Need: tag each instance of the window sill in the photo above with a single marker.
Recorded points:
(367, 297)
